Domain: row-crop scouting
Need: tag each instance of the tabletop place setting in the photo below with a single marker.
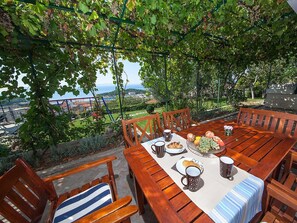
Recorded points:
(199, 164)
(211, 172)
(190, 168)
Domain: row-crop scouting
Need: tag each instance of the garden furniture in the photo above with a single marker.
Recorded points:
(24, 196)
(280, 123)
(178, 120)
(254, 151)
(281, 204)
(277, 122)
(138, 130)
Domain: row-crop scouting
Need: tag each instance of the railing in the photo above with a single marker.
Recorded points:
(79, 106)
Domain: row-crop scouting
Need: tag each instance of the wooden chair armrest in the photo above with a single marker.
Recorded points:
(283, 194)
(83, 167)
(120, 215)
(283, 188)
(107, 210)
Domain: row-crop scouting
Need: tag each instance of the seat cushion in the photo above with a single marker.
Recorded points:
(83, 203)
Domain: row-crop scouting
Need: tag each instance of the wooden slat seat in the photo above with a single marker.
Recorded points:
(24, 195)
(280, 123)
(178, 120)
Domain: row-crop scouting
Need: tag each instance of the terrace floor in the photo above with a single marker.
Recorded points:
(124, 182)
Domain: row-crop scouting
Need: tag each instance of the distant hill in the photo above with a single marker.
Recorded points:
(115, 93)
(7, 102)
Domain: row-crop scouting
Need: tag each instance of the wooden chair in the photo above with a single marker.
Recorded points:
(24, 195)
(284, 192)
(178, 120)
(138, 130)
(281, 204)
(289, 175)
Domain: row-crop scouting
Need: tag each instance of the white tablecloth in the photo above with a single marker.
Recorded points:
(214, 188)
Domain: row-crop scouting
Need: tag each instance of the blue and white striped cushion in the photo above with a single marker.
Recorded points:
(83, 203)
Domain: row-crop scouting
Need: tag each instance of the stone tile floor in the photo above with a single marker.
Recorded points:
(123, 181)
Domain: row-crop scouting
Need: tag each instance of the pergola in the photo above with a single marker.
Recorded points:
(217, 30)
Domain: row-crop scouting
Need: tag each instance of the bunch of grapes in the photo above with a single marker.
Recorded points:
(205, 144)
(214, 145)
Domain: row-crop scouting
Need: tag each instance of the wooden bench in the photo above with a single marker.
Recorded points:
(281, 123)
(278, 122)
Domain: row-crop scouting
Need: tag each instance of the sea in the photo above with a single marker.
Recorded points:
(101, 89)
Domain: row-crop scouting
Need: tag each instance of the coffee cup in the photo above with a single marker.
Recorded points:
(159, 148)
(167, 135)
(226, 165)
(192, 176)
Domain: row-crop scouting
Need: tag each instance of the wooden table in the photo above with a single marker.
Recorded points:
(257, 152)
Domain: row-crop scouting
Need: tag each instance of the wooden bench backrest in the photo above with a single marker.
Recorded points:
(278, 122)
(177, 120)
(23, 194)
(137, 130)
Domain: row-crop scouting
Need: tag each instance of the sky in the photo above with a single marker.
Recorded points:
(131, 70)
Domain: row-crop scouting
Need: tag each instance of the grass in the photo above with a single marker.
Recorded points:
(210, 104)
(131, 114)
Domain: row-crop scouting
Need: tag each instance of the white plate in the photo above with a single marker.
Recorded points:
(182, 169)
(175, 151)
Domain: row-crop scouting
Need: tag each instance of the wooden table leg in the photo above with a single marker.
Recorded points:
(139, 197)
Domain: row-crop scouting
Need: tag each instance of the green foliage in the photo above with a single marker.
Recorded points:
(208, 45)
(236, 97)
(115, 93)
(43, 69)
(83, 146)
(262, 75)
(92, 127)
(93, 144)
(4, 150)
(150, 109)
(115, 127)
(42, 127)
(172, 87)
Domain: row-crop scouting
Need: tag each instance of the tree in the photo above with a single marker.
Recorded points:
(261, 76)
(172, 86)
(44, 69)
(57, 42)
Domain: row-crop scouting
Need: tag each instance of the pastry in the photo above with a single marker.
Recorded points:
(175, 145)
(187, 163)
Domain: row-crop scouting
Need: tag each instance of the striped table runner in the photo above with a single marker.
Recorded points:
(241, 204)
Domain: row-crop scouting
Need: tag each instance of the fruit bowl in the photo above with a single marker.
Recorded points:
(205, 145)
(195, 149)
